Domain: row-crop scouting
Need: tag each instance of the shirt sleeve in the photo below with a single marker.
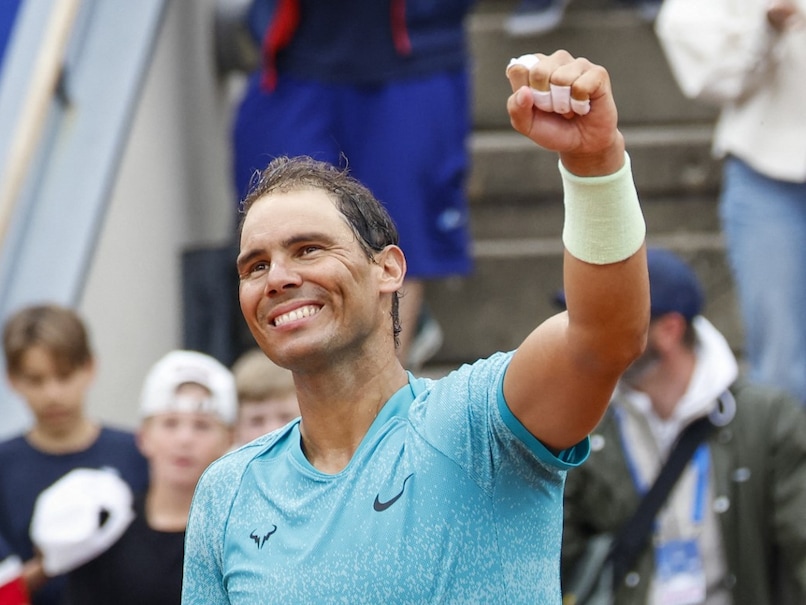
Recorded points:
(466, 417)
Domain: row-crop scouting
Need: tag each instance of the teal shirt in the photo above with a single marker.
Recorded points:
(448, 499)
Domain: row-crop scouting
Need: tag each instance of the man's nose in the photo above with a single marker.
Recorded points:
(281, 276)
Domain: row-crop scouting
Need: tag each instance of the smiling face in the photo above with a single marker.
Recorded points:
(308, 290)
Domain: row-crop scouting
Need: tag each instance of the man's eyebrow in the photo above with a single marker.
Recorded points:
(311, 236)
(245, 258)
(300, 238)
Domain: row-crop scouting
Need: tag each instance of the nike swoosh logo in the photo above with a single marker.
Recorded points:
(382, 506)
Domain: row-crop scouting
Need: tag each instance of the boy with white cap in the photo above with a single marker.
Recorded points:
(188, 406)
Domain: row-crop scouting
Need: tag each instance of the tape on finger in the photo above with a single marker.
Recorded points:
(527, 61)
(560, 98)
(557, 99)
(580, 107)
(542, 99)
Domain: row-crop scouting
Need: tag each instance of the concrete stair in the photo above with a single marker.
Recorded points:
(515, 190)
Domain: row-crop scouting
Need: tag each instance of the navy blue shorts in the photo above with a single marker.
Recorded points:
(405, 140)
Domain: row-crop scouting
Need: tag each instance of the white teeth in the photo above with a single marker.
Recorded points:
(296, 314)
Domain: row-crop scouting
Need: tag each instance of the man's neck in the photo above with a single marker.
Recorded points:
(338, 408)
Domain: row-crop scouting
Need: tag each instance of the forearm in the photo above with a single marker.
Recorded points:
(605, 275)
(606, 285)
(606, 325)
(608, 312)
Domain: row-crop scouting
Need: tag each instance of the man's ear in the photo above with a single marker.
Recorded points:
(392, 262)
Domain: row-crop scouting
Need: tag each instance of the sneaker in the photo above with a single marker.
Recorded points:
(426, 341)
(533, 17)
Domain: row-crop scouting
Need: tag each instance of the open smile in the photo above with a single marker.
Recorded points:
(299, 313)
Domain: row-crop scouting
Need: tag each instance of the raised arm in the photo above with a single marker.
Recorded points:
(562, 376)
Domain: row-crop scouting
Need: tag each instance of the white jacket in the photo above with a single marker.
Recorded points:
(724, 52)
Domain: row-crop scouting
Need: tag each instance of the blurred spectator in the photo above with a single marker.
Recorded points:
(748, 58)
(188, 407)
(50, 364)
(267, 399)
(732, 529)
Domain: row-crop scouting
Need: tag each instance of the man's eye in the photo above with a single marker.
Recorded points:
(253, 270)
(310, 249)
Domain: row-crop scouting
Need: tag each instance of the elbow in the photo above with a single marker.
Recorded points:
(617, 351)
(633, 340)
(635, 346)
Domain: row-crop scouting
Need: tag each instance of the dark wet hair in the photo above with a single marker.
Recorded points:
(368, 219)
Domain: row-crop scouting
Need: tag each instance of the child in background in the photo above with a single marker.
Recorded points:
(50, 364)
(267, 398)
(188, 407)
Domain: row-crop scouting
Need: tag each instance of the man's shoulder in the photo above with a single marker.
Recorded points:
(480, 371)
(753, 398)
(766, 411)
(227, 470)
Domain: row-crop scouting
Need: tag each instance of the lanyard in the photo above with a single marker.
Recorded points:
(701, 461)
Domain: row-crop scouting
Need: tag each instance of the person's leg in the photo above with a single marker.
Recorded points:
(294, 119)
(764, 221)
(407, 141)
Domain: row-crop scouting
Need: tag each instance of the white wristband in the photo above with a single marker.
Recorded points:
(603, 219)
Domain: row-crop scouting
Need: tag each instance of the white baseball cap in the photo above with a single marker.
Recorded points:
(181, 367)
(79, 517)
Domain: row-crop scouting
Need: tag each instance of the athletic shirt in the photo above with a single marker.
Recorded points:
(26, 471)
(448, 499)
(144, 567)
